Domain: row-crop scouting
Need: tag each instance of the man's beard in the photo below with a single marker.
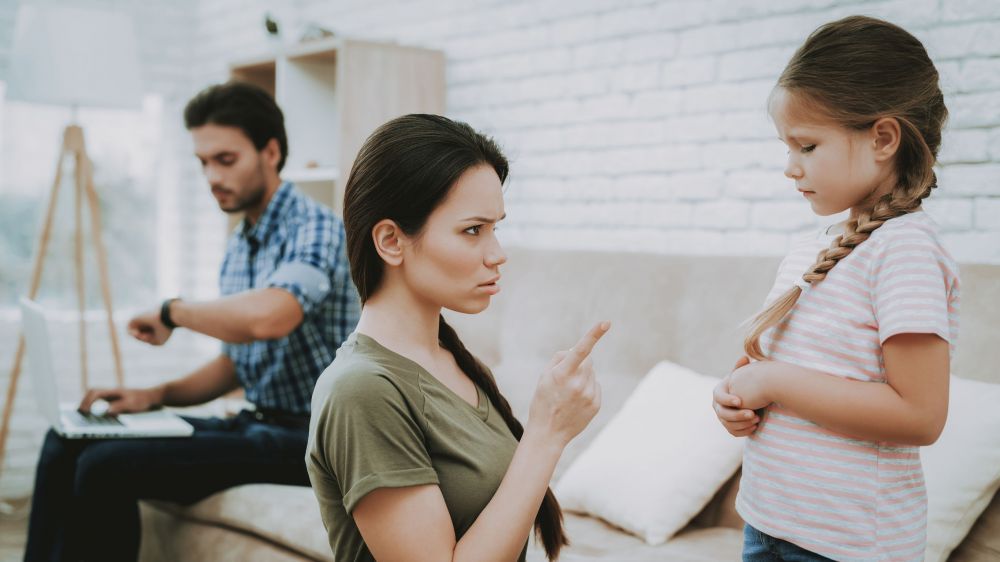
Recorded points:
(249, 200)
(253, 197)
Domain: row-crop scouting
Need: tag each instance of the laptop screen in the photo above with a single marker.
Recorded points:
(43, 377)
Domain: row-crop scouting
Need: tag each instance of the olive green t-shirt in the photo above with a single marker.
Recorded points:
(379, 420)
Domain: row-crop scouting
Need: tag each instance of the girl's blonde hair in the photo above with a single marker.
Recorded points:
(856, 71)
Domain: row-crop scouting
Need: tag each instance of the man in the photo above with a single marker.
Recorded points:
(287, 304)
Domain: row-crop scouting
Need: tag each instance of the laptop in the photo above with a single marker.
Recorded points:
(64, 418)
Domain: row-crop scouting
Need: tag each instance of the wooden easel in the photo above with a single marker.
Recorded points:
(74, 146)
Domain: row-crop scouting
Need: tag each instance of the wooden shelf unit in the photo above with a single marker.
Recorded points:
(334, 93)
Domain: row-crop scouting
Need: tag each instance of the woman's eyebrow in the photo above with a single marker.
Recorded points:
(484, 219)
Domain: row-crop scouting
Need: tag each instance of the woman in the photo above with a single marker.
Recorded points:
(413, 452)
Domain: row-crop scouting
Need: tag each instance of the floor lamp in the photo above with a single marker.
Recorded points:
(72, 57)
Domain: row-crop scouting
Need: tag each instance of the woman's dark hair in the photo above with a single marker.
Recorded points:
(405, 170)
(242, 105)
(855, 71)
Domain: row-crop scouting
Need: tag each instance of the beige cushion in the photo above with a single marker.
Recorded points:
(659, 461)
(962, 469)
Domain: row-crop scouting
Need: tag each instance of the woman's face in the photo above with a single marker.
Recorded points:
(454, 262)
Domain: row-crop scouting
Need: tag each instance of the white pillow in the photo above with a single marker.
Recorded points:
(659, 461)
(962, 469)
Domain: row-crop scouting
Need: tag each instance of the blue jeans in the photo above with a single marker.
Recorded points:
(85, 504)
(758, 547)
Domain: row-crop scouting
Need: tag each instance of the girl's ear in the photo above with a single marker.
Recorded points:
(886, 136)
(386, 235)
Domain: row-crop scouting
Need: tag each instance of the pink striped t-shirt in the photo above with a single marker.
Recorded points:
(847, 498)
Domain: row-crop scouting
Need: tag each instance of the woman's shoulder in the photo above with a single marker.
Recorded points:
(355, 374)
(360, 375)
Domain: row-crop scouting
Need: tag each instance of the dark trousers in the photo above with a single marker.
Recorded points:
(85, 504)
(760, 547)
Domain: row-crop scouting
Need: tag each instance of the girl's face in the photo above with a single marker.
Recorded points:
(454, 262)
(834, 168)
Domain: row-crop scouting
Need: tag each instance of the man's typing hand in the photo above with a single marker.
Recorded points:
(122, 400)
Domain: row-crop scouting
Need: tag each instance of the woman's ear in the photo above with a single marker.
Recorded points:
(387, 235)
(886, 136)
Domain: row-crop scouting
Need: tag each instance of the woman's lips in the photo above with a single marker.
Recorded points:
(490, 288)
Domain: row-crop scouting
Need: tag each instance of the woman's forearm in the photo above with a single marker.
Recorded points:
(502, 528)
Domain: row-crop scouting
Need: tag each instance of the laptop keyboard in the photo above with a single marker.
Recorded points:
(92, 420)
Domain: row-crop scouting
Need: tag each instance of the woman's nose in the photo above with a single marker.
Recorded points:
(496, 256)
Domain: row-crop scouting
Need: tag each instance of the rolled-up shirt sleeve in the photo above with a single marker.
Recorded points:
(307, 266)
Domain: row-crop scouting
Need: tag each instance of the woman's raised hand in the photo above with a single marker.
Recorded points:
(568, 394)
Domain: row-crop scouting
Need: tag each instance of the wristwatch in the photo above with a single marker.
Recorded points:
(165, 313)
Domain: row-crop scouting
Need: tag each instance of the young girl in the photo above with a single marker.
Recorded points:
(852, 351)
(413, 452)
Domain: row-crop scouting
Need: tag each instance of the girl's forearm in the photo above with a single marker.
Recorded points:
(866, 410)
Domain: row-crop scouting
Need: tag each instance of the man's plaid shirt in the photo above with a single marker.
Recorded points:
(299, 246)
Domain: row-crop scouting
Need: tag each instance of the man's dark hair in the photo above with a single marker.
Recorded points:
(242, 105)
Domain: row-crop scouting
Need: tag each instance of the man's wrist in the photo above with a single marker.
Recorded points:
(165, 316)
(157, 396)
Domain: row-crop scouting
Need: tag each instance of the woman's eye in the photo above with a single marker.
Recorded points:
(474, 230)
(809, 148)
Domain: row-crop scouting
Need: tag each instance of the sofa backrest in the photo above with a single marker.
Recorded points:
(688, 309)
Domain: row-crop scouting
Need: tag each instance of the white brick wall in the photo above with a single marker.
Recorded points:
(631, 124)
(640, 125)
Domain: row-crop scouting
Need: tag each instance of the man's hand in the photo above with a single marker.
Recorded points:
(738, 422)
(122, 400)
(147, 327)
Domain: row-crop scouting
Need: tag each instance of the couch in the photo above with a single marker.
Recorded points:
(683, 308)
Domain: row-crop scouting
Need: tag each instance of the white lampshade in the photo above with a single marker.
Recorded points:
(74, 56)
